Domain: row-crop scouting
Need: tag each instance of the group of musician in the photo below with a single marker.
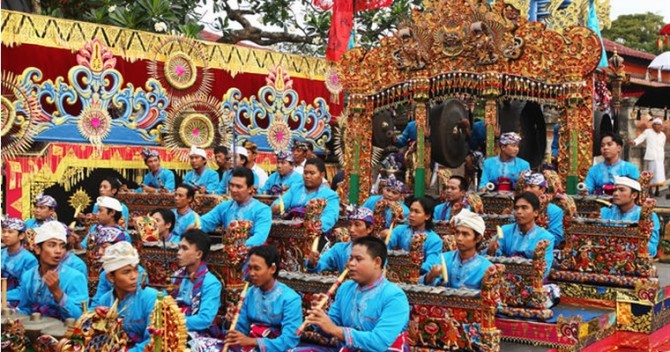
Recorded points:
(368, 312)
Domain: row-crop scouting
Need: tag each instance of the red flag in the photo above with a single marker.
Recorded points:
(340, 29)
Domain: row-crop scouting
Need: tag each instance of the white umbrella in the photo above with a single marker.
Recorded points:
(660, 63)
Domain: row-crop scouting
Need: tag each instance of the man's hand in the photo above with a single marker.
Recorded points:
(433, 274)
(313, 258)
(316, 316)
(123, 188)
(275, 209)
(52, 280)
(148, 189)
(493, 247)
(237, 338)
(202, 190)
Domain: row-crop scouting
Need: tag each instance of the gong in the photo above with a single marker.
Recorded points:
(448, 139)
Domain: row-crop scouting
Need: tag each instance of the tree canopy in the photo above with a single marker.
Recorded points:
(637, 31)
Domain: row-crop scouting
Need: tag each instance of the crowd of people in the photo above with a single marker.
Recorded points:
(368, 312)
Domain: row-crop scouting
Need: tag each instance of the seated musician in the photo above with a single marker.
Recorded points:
(136, 304)
(240, 158)
(300, 151)
(313, 187)
(420, 221)
(157, 179)
(71, 259)
(537, 184)
(222, 161)
(243, 206)
(521, 238)
(104, 238)
(52, 289)
(197, 291)
(185, 217)
(284, 178)
(361, 224)
(271, 312)
(391, 192)
(202, 178)
(600, 178)
(165, 220)
(252, 154)
(16, 259)
(44, 211)
(503, 170)
(109, 211)
(454, 192)
(369, 312)
(626, 192)
(465, 267)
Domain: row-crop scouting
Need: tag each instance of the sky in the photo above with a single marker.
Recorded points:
(629, 7)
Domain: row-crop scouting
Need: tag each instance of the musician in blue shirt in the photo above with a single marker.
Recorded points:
(271, 312)
(420, 221)
(313, 187)
(52, 289)
(408, 135)
(185, 217)
(44, 211)
(465, 267)
(454, 192)
(392, 192)
(105, 237)
(537, 184)
(285, 176)
(243, 206)
(240, 159)
(136, 304)
(198, 292)
(521, 238)
(157, 179)
(15, 258)
(109, 211)
(202, 178)
(503, 170)
(626, 192)
(361, 224)
(369, 312)
(600, 178)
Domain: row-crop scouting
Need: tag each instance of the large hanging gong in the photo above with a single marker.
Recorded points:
(382, 129)
(449, 144)
(534, 133)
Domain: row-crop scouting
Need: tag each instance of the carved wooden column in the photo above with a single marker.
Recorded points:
(420, 94)
(491, 92)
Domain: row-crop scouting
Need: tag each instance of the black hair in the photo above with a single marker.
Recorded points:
(167, 215)
(529, 197)
(244, 158)
(190, 191)
(220, 149)
(616, 138)
(113, 182)
(428, 206)
(117, 214)
(270, 254)
(463, 182)
(375, 247)
(243, 171)
(320, 165)
(199, 239)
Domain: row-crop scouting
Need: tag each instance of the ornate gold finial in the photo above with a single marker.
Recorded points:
(616, 64)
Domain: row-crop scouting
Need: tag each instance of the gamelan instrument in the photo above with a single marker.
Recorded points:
(329, 295)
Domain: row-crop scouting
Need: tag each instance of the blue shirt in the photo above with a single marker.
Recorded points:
(494, 168)
(73, 261)
(276, 179)
(477, 135)
(555, 226)
(602, 174)
(554, 142)
(182, 222)
(164, 178)
(462, 274)
(372, 316)
(253, 210)
(210, 301)
(34, 292)
(297, 197)
(222, 186)
(335, 258)
(614, 213)
(523, 245)
(13, 266)
(33, 223)
(208, 179)
(408, 135)
(135, 311)
(279, 308)
(401, 238)
(372, 201)
(105, 286)
(442, 211)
